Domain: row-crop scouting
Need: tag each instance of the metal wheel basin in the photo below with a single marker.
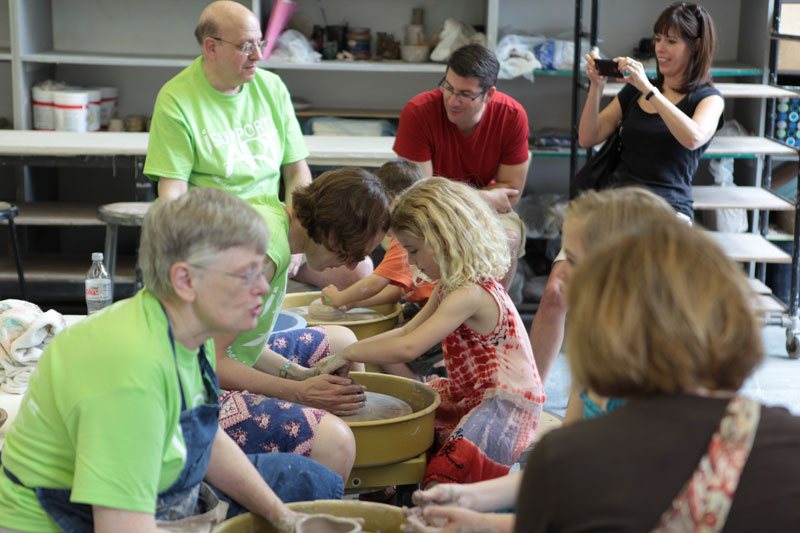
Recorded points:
(377, 516)
(362, 328)
(382, 442)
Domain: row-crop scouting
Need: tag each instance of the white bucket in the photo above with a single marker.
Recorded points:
(43, 109)
(93, 118)
(108, 105)
(71, 110)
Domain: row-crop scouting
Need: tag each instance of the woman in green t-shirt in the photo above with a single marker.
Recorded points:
(119, 429)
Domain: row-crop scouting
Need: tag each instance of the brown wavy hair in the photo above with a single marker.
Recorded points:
(693, 24)
(343, 210)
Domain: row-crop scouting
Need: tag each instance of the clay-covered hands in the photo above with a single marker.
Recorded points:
(336, 364)
(299, 373)
(338, 395)
(457, 520)
(445, 494)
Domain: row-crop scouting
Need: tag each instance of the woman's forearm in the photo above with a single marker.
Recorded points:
(235, 375)
(231, 472)
(589, 127)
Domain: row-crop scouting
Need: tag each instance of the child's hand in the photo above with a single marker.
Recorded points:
(334, 364)
(457, 520)
(331, 296)
(298, 373)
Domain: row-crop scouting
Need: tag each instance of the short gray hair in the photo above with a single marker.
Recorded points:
(196, 228)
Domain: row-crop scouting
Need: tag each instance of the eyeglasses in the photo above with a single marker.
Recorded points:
(445, 87)
(249, 279)
(247, 48)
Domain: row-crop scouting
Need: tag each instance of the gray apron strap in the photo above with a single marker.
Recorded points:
(211, 511)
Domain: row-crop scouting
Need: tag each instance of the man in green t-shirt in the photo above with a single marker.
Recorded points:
(223, 122)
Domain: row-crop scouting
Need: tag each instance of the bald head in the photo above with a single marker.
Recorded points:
(221, 16)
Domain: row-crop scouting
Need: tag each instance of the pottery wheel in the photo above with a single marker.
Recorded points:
(323, 523)
(380, 407)
(325, 314)
(320, 312)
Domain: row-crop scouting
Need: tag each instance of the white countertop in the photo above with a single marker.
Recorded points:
(324, 150)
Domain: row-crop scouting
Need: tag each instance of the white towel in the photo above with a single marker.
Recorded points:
(24, 333)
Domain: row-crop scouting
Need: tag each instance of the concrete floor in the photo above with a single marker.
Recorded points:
(775, 382)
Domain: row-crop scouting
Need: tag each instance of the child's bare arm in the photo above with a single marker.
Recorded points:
(432, 324)
(355, 293)
(388, 295)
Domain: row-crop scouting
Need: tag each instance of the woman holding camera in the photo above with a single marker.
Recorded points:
(668, 123)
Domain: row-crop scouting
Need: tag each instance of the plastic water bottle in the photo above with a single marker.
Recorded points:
(98, 285)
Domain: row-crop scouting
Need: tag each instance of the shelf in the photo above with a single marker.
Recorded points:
(747, 247)
(728, 90)
(740, 147)
(56, 214)
(758, 286)
(5, 54)
(68, 143)
(768, 303)
(348, 113)
(544, 72)
(110, 60)
(60, 268)
(355, 66)
(720, 69)
(745, 147)
(708, 197)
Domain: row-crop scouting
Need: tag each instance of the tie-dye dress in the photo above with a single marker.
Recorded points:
(491, 399)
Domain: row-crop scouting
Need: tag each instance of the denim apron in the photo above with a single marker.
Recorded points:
(188, 501)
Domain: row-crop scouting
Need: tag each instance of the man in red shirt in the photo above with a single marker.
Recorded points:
(467, 130)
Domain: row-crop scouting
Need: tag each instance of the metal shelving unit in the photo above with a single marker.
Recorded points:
(752, 248)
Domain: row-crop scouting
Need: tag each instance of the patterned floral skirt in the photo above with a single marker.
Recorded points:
(261, 424)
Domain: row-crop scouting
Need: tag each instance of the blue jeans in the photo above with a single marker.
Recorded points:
(294, 478)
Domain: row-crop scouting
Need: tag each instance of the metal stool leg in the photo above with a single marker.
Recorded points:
(111, 250)
(12, 228)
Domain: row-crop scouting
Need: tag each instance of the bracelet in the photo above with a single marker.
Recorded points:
(651, 93)
(285, 369)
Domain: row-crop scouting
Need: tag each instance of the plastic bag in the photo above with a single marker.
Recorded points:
(293, 47)
(556, 54)
(454, 35)
(726, 220)
(515, 53)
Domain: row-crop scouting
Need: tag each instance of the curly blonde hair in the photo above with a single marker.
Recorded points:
(462, 230)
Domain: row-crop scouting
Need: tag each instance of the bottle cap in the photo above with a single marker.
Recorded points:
(97, 256)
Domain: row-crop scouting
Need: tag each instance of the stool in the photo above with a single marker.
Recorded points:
(8, 212)
(116, 215)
